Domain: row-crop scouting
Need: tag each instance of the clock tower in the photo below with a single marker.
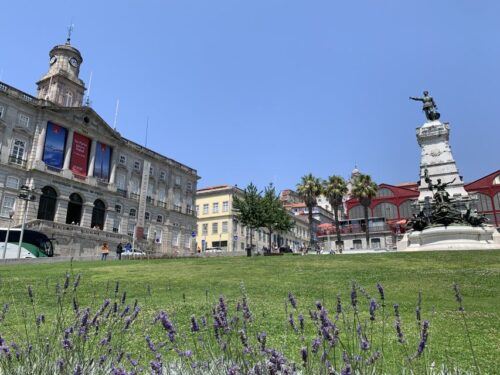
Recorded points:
(61, 85)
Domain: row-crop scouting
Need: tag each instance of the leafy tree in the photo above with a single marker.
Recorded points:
(334, 190)
(364, 189)
(275, 217)
(249, 209)
(309, 189)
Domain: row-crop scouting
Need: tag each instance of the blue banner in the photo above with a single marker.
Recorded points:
(102, 161)
(55, 142)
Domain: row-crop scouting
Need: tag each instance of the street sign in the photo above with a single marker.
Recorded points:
(235, 238)
(193, 234)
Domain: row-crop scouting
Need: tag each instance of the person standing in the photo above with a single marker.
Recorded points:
(119, 251)
(104, 251)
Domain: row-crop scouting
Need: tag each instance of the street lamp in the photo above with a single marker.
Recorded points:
(11, 214)
(26, 195)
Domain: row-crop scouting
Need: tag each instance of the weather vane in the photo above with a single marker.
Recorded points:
(70, 30)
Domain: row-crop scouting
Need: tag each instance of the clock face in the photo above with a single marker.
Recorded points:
(73, 62)
(53, 59)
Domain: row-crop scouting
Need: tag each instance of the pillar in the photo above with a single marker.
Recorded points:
(92, 158)
(40, 142)
(69, 146)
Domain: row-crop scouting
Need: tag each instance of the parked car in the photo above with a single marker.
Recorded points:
(213, 250)
(286, 250)
(133, 253)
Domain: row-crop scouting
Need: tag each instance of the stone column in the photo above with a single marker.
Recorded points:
(5, 144)
(40, 142)
(61, 210)
(92, 158)
(86, 215)
(69, 147)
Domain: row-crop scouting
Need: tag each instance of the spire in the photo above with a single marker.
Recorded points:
(70, 31)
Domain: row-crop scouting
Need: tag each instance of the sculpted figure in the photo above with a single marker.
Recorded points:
(428, 106)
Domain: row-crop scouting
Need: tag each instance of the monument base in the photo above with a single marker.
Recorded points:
(452, 237)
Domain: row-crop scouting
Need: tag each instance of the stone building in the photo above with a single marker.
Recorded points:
(218, 226)
(91, 184)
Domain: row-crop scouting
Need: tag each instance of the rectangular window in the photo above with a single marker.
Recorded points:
(118, 208)
(189, 186)
(151, 171)
(8, 204)
(178, 180)
(204, 229)
(163, 176)
(17, 152)
(215, 208)
(24, 120)
(215, 228)
(175, 238)
(159, 219)
(123, 160)
(224, 227)
(116, 225)
(225, 206)
(205, 209)
(121, 181)
(130, 229)
(137, 165)
(12, 182)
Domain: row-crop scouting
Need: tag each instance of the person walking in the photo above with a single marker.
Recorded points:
(119, 251)
(104, 251)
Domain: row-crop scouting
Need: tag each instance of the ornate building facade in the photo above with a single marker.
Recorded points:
(91, 185)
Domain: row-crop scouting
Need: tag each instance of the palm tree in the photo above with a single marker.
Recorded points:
(334, 190)
(364, 189)
(309, 189)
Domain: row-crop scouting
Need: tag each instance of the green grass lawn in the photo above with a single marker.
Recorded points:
(186, 286)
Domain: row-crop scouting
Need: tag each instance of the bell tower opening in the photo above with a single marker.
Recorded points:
(61, 85)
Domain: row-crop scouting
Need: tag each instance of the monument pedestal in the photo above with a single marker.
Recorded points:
(452, 237)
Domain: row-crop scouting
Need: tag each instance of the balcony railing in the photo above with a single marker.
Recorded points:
(177, 208)
(17, 161)
(150, 200)
(189, 211)
(134, 196)
(122, 192)
(162, 204)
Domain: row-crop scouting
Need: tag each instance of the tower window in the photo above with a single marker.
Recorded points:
(123, 159)
(24, 120)
(68, 102)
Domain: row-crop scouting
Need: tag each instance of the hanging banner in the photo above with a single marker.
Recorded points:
(55, 141)
(102, 161)
(79, 154)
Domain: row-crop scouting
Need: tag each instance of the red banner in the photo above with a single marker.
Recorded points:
(79, 154)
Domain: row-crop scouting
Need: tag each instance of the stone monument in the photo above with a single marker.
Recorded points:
(446, 218)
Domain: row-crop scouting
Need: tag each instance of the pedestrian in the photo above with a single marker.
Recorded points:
(128, 247)
(119, 251)
(104, 251)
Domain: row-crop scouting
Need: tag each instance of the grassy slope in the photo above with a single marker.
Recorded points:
(186, 286)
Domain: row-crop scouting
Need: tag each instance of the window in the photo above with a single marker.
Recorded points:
(8, 204)
(205, 209)
(204, 229)
(189, 186)
(215, 228)
(178, 180)
(159, 219)
(163, 176)
(161, 195)
(405, 209)
(224, 227)
(18, 148)
(2, 110)
(151, 171)
(24, 120)
(137, 165)
(12, 182)
(116, 225)
(225, 206)
(189, 209)
(175, 237)
(375, 243)
(146, 216)
(357, 244)
(496, 199)
(384, 192)
(357, 212)
(484, 203)
(69, 99)
(197, 209)
(130, 229)
(215, 208)
(122, 160)
(132, 212)
(385, 209)
(496, 181)
(118, 208)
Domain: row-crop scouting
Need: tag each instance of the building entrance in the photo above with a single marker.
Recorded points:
(75, 205)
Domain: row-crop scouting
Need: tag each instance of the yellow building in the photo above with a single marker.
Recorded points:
(218, 226)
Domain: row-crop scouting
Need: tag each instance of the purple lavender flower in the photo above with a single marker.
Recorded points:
(315, 344)
(319, 306)
(261, 338)
(247, 315)
(365, 344)
(167, 325)
(373, 307)
(313, 315)
(292, 300)
(102, 359)
(78, 370)
(60, 364)
(117, 287)
(119, 357)
(194, 324)
(40, 319)
(301, 321)
(115, 307)
(75, 305)
(292, 322)
(233, 370)
(373, 358)
(381, 291)
(303, 354)
(30, 293)
(77, 282)
(66, 344)
(346, 370)
(66, 281)
(156, 367)
(150, 344)
(354, 296)
(128, 320)
(423, 338)
(124, 297)
(339, 304)
(125, 311)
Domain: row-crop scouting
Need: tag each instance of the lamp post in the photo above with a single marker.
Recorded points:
(11, 214)
(26, 195)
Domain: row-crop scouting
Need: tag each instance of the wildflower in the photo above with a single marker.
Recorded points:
(339, 304)
(261, 338)
(40, 319)
(194, 324)
(77, 282)
(167, 325)
(346, 370)
(292, 322)
(128, 320)
(313, 315)
(66, 344)
(301, 321)
(233, 370)
(315, 344)
(115, 307)
(319, 306)
(247, 315)
(458, 296)
(30, 293)
(423, 338)
(303, 354)
(102, 359)
(78, 370)
(354, 296)
(156, 367)
(117, 287)
(292, 300)
(150, 344)
(75, 305)
(381, 291)
(119, 357)
(125, 311)
(203, 321)
(373, 307)
(60, 364)
(66, 281)
(399, 331)
(124, 297)
(373, 358)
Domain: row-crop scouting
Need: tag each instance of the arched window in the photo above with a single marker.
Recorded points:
(496, 199)
(47, 205)
(384, 192)
(496, 180)
(357, 212)
(406, 209)
(387, 210)
(484, 203)
(74, 213)
(98, 214)
(132, 212)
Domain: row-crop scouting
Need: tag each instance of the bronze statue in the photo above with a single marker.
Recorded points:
(429, 106)
(441, 195)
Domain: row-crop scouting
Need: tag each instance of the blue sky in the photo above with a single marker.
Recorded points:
(268, 90)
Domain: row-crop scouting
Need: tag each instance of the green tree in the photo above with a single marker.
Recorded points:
(334, 190)
(309, 189)
(275, 217)
(364, 189)
(249, 209)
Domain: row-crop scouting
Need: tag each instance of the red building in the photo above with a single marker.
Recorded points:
(394, 202)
